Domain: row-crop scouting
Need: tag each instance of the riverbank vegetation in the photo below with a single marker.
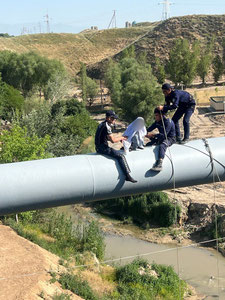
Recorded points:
(137, 280)
(144, 210)
(57, 234)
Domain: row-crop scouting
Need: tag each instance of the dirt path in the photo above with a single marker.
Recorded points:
(206, 126)
(24, 269)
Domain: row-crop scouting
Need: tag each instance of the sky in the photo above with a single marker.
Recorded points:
(77, 15)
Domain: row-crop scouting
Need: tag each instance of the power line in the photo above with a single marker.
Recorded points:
(46, 17)
(118, 259)
(166, 9)
(112, 23)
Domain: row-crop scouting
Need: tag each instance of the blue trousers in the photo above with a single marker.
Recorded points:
(103, 149)
(187, 113)
(163, 147)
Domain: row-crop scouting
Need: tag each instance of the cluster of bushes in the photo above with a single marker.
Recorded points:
(63, 237)
(11, 101)
(29, 72)
(47, 130)
(136, 281)
(187, 61)
(67, 123)
(144, 210)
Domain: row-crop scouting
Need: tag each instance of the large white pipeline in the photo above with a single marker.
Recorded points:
(75, 179)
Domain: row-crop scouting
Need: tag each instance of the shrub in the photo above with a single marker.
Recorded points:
(66, 238)
(93, 240)
(11, 101)
(17, 146)
(166, 284)
(78, 286)
(153, 208)
(68, 124)
(61, 297)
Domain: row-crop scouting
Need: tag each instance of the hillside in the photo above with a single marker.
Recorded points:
(88, 47)
(95, 47)
(159, 41)
(25, 269)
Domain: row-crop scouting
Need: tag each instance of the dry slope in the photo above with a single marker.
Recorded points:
(24, 269)
(70, 49)
(159, 41)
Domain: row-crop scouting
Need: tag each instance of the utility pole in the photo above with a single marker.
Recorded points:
(112, 23)
(46, 17)
(39, 25)
(166, 9)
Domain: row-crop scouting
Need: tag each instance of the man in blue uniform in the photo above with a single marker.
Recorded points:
(165, 138)
(103, 135)
(184, 104)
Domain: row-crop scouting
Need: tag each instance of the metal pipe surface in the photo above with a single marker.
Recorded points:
(75, 179)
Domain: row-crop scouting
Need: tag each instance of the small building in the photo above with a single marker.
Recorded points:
(94, 27)
(218, 103)
(128, 24)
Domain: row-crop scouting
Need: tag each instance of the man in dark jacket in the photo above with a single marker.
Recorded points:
(103, 135)
(165, 138)
(184, 104)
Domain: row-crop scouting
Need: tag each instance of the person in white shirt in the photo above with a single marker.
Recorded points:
(134, 135)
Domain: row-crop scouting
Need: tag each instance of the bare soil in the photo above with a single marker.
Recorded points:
(25, 269)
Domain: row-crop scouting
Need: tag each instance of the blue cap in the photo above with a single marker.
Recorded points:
(166, 86)
(111, 113)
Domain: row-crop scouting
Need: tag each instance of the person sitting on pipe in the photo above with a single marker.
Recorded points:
(185, 105)
(165, 138)
(103, 135)
(134, 134)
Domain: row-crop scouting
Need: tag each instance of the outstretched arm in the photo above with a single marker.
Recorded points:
(115, 139)
(151, 128)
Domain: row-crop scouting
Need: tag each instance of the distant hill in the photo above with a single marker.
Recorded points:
(159, 41)
(71, 49)
(96, 47)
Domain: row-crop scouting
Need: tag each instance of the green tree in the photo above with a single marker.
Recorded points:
(28, 71)
(113, 81)
(67, 122)
(83, 81)
(182, 64)
(129, 52)
(133, 88)
(223, 51)
(205, 61)
(57, 87)
(11, 101)
(218, 68)
(92, 90)
(17, 146)
(93, 239)
(142, 58)
(159, 71)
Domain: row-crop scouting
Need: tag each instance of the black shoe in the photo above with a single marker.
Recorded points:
(178, 140)
(184, 141)
(141, 147)
(129, 178)
(157, 166)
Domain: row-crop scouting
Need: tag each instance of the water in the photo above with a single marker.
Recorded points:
(197, 266)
